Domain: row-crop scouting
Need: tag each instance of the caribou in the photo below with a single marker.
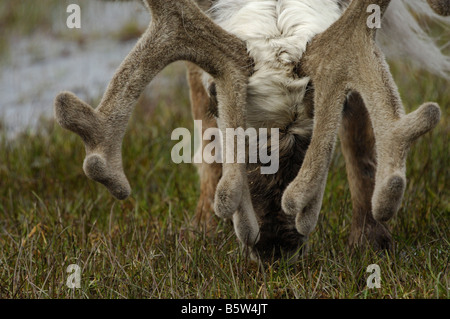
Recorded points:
(310, 68)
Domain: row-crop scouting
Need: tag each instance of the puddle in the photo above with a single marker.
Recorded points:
(82, 61)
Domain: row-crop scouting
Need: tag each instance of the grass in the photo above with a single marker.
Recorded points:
(52, 216)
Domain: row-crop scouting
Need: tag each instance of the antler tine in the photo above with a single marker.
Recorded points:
(342, 59)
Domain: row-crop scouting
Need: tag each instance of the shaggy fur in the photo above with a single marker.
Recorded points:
(401, 36)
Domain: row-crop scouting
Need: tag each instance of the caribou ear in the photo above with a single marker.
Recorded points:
(441, 7)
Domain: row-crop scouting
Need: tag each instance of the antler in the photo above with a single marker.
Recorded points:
(342, 59)
(179, 30)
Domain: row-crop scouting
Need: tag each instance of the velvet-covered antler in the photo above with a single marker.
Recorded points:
(179, 30)
(343, 59)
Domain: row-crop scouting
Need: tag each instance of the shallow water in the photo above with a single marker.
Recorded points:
(78, 60)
